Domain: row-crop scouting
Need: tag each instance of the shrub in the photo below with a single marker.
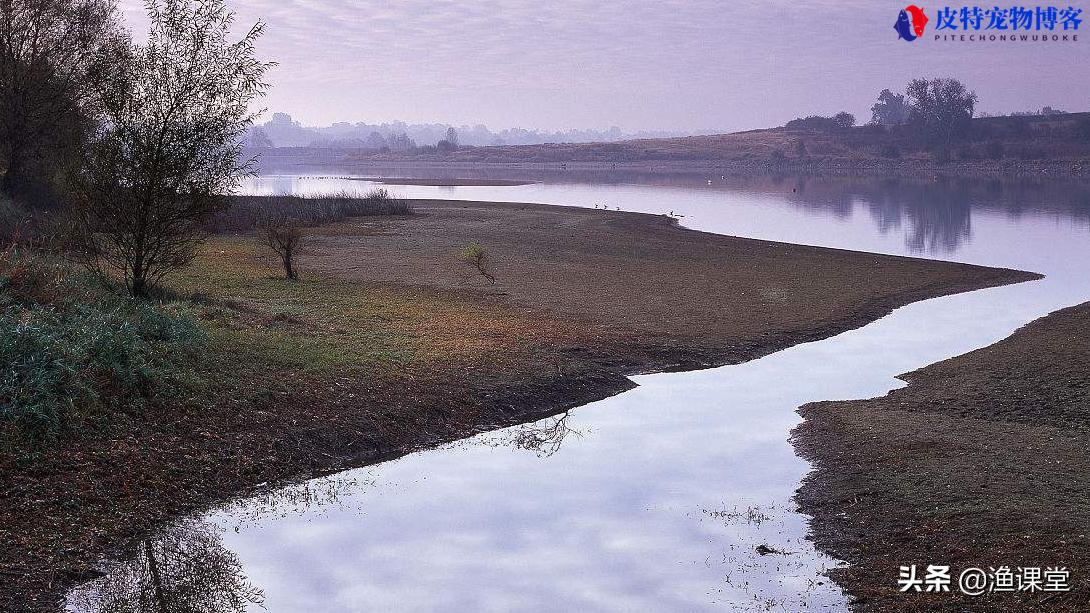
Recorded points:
(249, 212)
(69, 362)
(1084, 128)
(890, 151)
(476, 255)
(994, 150)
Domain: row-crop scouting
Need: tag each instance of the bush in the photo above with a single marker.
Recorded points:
(249, 212)
(1084, 128)
(69, 362)
(994, 150)
(476, 255)
(890, 151)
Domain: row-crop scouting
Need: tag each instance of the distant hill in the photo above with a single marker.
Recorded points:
(1050, 137)
(1029, 144)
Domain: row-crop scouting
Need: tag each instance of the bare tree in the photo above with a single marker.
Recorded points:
(169, 151)
(286, 237)
(54, 56)
(452, 136)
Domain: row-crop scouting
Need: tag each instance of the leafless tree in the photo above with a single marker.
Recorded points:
(544, 437)
(169, 151)
(286, 237)
(54, 57)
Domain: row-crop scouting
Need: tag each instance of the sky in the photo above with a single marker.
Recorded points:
(689, 65)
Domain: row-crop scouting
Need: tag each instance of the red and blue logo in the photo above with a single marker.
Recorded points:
(911, 22)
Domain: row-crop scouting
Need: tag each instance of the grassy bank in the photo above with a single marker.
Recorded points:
(979, 462)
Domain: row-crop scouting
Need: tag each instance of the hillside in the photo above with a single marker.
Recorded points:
(1045, 144)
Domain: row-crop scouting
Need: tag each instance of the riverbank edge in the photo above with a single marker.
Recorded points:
(863, 512)
(300, 456)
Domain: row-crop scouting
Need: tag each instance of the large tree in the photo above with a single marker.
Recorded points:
(942, 109)
(54, 55)
(169, 151)
(890, 110)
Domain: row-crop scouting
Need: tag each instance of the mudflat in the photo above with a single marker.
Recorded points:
(668, 296)
(980, 462)
(392, 343)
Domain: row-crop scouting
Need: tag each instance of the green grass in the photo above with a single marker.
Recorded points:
(75, 355)
(84, 358)
(322, 324)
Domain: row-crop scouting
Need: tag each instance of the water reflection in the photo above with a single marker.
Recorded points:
(929, 216)
(543, 438)
(184, 569)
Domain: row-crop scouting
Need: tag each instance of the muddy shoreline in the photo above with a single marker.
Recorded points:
(979, 462)
(91, 497)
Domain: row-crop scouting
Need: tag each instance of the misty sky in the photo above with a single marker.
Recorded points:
(658, 64)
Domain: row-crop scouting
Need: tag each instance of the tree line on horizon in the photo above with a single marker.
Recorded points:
(281, 130)
(935, 114)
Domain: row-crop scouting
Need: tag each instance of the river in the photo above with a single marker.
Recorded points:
(656, 499)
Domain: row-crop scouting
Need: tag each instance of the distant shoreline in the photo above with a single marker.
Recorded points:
(1016, 146)
(1059, 169)
(443, 182)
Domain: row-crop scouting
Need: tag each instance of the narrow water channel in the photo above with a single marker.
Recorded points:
(656, 499)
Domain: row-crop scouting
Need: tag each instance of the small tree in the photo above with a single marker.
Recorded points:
(287, 238)
(452, 136)
(476, 255)
(169, 151)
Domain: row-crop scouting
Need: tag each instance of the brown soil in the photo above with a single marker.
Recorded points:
(980, 462)
(582, 299)
(676, 298)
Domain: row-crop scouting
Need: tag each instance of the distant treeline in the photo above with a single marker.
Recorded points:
(397, 137)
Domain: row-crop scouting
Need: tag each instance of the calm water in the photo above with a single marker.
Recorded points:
(651, 500)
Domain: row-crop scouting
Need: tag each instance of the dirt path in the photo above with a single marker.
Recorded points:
(980, 462)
